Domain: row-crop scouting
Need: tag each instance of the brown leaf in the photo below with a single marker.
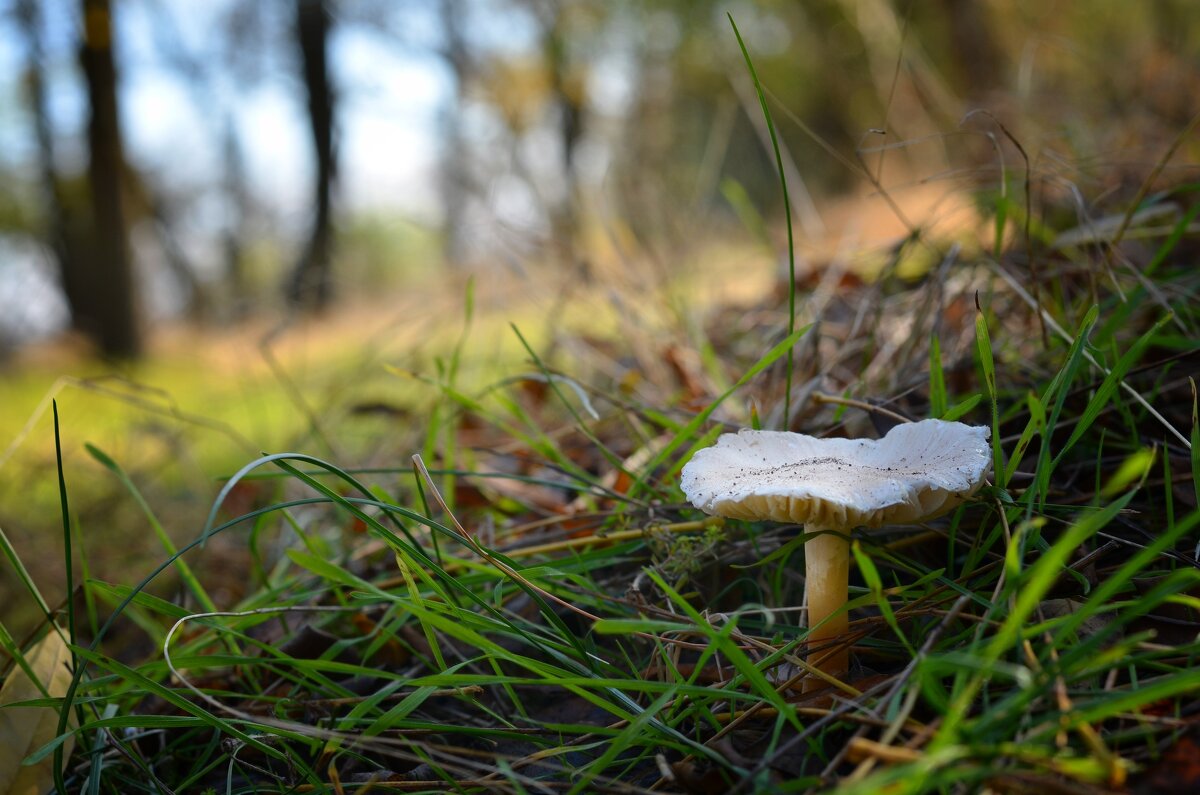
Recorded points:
(1177, 770)
(23, 730)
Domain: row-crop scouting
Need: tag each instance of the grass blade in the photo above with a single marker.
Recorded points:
(787, 214)
(938, 402)
(1108, 387)
(983, 343)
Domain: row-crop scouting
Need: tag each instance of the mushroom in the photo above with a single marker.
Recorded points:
(916, 472)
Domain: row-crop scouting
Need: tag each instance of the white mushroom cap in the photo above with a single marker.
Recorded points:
(917, 471)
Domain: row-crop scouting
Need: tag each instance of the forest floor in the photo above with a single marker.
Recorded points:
(532, 605)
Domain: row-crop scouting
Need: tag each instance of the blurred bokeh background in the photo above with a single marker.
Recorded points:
(167, 160)
(219, 219)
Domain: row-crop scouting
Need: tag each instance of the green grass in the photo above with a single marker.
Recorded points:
(530, 606)
(490, 582)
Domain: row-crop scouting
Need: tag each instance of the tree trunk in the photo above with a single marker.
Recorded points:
(237, 198)
(55, 218)
(566, 94)
(454, 172)
(107, 306)
(310, 286)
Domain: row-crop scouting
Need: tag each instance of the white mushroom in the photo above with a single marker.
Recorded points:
(917, 471)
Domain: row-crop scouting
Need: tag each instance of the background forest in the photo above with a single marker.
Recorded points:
(256, 255)
(220, 160)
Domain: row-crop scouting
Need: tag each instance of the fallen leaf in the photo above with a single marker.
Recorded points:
(1177, 770)
(23, 730)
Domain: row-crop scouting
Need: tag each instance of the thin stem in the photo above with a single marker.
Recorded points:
(827, 579)
(787, 215)
(821, 397)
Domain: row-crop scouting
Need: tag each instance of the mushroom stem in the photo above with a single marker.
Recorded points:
(827, 577)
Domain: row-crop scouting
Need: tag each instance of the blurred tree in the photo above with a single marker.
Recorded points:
(238, 44)
(169, 205)
(57, 230)
(310, 285)
(100, 285)
(82, 222)
(237, 194)
(240, 49)
(565, 102)
(564, 121)
(454, 173)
